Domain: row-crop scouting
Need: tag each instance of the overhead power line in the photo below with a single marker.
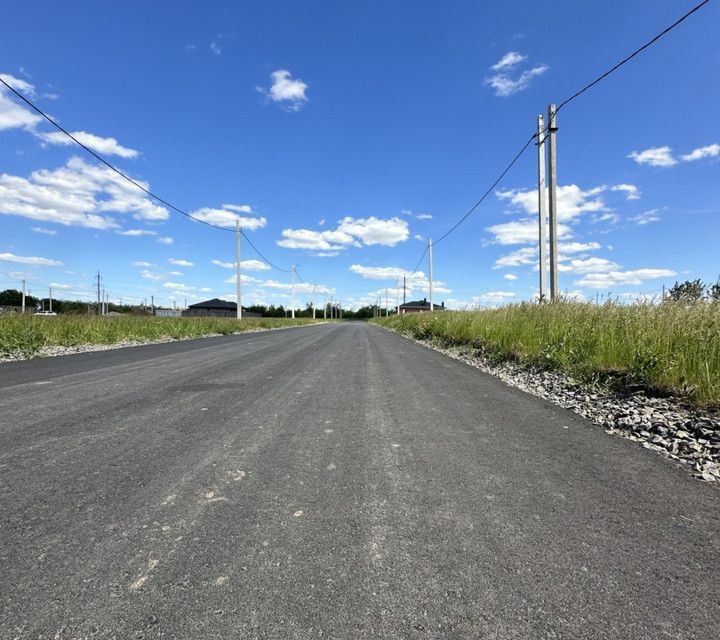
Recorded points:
(565, 102)
(123, 175)
(637, 51)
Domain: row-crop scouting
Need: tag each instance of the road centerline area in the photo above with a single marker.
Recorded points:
(332, 481)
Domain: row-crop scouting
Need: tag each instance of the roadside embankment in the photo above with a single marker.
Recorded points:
(23, 337)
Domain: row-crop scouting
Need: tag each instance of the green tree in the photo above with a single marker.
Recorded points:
(688, 291)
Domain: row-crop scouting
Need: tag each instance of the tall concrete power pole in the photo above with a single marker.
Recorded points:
(542, 211)
(23, 296)
(552, 200)
(430, 273)
(293, 291)
(238, 286)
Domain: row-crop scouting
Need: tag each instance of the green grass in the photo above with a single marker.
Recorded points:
(26, 335)
(671, 348)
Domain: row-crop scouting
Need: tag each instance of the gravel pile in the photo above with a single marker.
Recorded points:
(666, 425)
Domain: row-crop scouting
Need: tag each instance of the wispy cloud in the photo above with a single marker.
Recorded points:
(655, 157)
(710, 151)
(31, 260)
(47, 232)
(509, 60)
(505, 84)
(647, 217)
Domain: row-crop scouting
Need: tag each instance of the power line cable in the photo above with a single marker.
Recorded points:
(562, 104)
(633, 54)
(123, 175)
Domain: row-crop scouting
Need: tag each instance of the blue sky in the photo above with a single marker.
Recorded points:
(345, 135)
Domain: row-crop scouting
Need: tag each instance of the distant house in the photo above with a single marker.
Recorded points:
(217, 308)
(420, 306)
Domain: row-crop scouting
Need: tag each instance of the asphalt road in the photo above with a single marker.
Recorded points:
(334, 481)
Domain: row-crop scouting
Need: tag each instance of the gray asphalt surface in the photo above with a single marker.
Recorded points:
(334, 481)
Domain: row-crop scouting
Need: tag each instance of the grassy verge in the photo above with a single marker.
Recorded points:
(28, 334)
(672, 348)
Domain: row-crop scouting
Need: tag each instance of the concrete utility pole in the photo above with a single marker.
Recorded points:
(404, 289)
(313, 300)
(23, 296)
(397, 296)
(98, 288)
(238, 287)
(325, 310)
(50, 296)
(432, 308)
(387, 306)
(552, 199)
(152, 305)
(102, 302)
(293, 291)
(542, 210)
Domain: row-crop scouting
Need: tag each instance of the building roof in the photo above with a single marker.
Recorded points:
(421, 304)
(215, 303)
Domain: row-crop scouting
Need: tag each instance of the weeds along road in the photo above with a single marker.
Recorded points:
(332, 481)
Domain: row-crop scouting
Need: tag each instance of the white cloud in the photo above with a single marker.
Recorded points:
(149, 275)
(413, 281)
(587, 265)
(285, 90)
(215, 48)
(711, 151)
(166, 240)
(325, 254)
(630, 190)
(12, 115)
(137, 232)
(15, 116)
(510, 276)
(245, 265)
(577, 247)
(417, 236)
(646, 217)
(300, 287)
(142, 263)
(33, 260)
(522, 231)
(76, 194)
(181, 263)
(424, 216)
(47, 232)
(505, 86)
(655, 157)
(572, 200)
(509, 60)
(239, 208)
(517, 258)
(103, 146)
(621, 278)
(349, 232)
(227, 216)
